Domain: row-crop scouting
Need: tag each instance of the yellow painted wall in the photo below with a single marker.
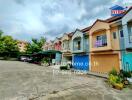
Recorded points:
(101, 28)
(115, 42)
(104, 59)
(98, 29)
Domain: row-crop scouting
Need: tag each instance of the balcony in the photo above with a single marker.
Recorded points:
(65, 47)
(77, 46)
(100, 43)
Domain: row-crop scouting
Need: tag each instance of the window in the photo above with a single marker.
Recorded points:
(101, 41)
(104, 40)
(79, 45)
(99, 38)
(121, 34)
(114, 35)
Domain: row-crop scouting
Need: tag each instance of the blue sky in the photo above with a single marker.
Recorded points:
(26, 19)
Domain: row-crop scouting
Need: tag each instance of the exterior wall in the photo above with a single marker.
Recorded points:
(58, 58)
(98, 29)
(22, 46)
(80, 58)
(45, 46)
(121, 39)
(65, 46)
(126, 29)
(57, 46)
(127, 61)
(48, 46)
(84, 42)
(66, 49)
(101, 61)
(101, 28)
(126, 57)
(76, 35)
(70, 44)
(115, 42)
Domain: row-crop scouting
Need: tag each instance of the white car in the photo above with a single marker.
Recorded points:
(23, 58)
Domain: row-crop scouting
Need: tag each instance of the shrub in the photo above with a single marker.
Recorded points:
(113, 72)
(125, 74)
(63, 67)
(114, 79)
(119, 86)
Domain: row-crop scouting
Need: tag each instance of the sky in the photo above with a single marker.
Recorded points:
(26, 19)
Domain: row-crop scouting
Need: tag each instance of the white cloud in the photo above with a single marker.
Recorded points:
(24, 19)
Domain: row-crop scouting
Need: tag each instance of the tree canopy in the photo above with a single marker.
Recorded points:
(36, 45)
(8, 46)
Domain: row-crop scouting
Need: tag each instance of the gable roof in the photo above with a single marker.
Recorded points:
(86, 29)
(97, 21)
(70, 34)
(111, 19)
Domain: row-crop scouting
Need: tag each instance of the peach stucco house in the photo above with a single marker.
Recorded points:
(104, 45)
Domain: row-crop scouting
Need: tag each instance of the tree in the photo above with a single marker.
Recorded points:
(1, 42)
(1, 32)
(8, 46)
(36, 45)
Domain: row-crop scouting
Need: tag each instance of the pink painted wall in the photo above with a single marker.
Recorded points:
(58, 46)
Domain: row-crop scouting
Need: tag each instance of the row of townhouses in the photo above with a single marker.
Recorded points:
(104, 45)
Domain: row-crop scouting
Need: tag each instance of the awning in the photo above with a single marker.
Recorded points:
(49, 52)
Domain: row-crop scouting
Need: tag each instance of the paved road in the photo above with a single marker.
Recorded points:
(21, 81)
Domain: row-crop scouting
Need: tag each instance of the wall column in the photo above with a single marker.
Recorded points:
(109, 41)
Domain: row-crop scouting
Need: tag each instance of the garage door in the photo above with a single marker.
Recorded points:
(81, 62)
(104, 62)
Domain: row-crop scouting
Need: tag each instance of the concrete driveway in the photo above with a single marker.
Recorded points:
(23, 81)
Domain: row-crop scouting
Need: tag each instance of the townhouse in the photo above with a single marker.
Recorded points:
(45, 46)
(105, 45)
(48, 45)
(66, 48)
(126, 40)
(22, 45)
(110, 44)
(80, 49)
(58, 49)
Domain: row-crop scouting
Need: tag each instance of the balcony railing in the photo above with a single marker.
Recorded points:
(100, 43)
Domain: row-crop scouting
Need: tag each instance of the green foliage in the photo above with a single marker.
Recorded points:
(45, 60)
(8, 46)
(118, 80)
(36, 45)
(113, 72)
(113, 79)
(1, 32)
(125, 74)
